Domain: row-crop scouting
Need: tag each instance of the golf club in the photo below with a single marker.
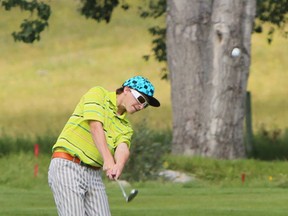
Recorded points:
(132, 194)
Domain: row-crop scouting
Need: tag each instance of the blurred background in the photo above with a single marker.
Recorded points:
(41, 83)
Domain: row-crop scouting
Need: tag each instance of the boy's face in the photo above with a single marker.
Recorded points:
(135, 101)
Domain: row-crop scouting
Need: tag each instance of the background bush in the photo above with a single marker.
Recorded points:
(270, 145)
(11, 144)
(147, 151)
(149, 146)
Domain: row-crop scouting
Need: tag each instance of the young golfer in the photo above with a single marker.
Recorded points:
(97, 136)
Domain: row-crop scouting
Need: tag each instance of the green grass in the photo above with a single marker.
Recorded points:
(41, 83)
(176, 200)
(26, 202)
(216, 190)
(229, 172)
(160, 199)
(267, 82)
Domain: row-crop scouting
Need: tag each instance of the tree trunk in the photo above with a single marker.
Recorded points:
(208, 83)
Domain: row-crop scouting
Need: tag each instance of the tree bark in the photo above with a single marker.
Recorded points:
(208, 84)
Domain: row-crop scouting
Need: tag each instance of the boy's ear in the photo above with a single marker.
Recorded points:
(126, 89)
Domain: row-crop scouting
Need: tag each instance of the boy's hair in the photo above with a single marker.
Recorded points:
(120, 90)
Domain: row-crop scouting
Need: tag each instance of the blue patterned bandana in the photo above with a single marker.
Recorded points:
(143, 86)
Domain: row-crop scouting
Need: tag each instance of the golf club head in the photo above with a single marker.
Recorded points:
(132, 195)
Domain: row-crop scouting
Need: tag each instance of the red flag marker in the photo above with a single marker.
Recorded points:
(36, 150)
(36, 153)
(243, 177)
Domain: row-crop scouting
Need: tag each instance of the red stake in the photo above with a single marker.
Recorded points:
(36, 153)
(36, 150)
(243, 177)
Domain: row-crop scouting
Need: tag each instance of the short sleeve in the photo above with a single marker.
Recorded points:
(94, 104)
(125, 138)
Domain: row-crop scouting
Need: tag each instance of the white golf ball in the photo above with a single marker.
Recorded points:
(236, 52)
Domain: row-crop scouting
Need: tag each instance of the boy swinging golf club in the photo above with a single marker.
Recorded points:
(96, 137)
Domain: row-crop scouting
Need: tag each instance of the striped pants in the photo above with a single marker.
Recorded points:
(77, 190)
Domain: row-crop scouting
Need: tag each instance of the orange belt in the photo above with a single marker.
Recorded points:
(69, 157)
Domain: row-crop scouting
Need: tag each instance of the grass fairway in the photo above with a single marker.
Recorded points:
(23, 194)
(15, 201)
(160, 199)
(177, 200)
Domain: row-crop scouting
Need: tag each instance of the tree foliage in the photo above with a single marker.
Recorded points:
(156, 9)
(30, 28)
(273, 12)
(100, 10)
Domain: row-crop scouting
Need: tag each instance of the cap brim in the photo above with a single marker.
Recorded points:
(153, 101)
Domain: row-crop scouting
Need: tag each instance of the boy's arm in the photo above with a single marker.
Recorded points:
(98, 136)
(121, 157)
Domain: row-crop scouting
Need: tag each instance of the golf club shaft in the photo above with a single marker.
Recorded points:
(122, 189)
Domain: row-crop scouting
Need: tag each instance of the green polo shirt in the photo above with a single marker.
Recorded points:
(100, 105)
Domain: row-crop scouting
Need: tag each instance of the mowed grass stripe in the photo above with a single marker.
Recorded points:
(150, 201)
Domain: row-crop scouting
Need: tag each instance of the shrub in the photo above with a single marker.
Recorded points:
(270, 145)
(10, 144)
(148, 147)
(147, 150)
